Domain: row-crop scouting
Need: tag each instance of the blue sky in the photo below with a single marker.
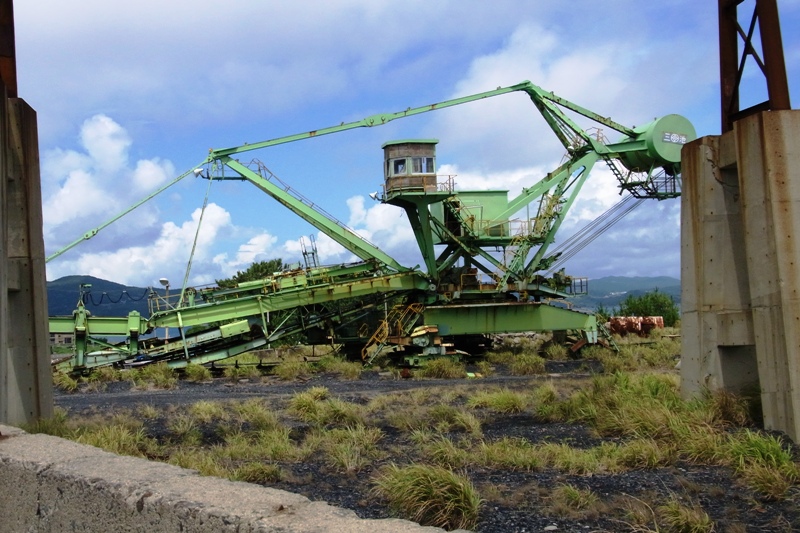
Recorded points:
(131, 94)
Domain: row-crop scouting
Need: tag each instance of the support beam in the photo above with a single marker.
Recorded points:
(740, 264)
(8, 55)
(733, 60)
(25, 382)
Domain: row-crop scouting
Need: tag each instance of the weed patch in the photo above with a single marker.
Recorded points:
(430, 495)
(442, 368)
(501, 401)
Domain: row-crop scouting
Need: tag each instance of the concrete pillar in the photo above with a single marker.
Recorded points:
(740, 264)
(25, 380)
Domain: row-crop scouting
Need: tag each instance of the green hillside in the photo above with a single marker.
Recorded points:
(105, 298)
(611, 290)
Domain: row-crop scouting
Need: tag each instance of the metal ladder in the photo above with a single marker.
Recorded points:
(603, 330)
(398, 322)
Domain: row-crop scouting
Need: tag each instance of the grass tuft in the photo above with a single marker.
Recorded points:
(56, 425)
(510, 453)
(154, 376)
(314, 407)
(291, 370)
(442, 368)
(555, 352)
(429, 495)
(568, 500)
(344, 369)
(501, 401)
(444, 452)
(684, 519)
(752, 448)
(352, 448)
(260, 473)
(197, 373)
(206, 411)
(105, 374)
(119, 439)
(242, 371)
(255, 413)
(185, 430)
(527, 365)
(65, 382)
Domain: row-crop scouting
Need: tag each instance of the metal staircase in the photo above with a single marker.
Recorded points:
(660, 186)
(454, 205)
(516, 253)
(398, 322)
(604, 333)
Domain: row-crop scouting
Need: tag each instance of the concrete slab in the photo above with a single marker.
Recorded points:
(54, 485)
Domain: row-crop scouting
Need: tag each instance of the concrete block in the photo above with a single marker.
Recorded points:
(25, 374)
(51, 485)
(740, 265)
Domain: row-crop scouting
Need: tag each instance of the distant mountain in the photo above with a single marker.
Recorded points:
(104, 298)
(63, 293)
(611, 290)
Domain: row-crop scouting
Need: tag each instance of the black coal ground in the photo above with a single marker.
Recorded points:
(514, 501)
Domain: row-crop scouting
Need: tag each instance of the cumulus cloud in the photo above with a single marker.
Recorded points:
(280, 71)
(167, 256)
(383, 226)
(84, 187)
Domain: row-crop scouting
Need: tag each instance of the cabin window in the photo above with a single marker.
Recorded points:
(422, 165)
(398, 167)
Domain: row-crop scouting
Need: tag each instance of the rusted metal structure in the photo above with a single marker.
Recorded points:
(732, 60)
(8, 55)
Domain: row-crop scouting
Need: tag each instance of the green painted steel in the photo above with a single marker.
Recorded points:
(229, 304)
(405, 141)
(467, 287)
(336, 231)
(507, 318)
(368, 122)
(658, 143)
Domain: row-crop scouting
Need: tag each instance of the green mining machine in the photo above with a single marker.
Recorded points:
(485, 255)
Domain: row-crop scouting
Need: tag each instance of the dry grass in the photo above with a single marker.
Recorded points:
(442, 368)
(645, 421)
(196, 373)
(568, 500)
(527, 365)
(154, 376)
(429, 495)
(683, 518)
(500, 401)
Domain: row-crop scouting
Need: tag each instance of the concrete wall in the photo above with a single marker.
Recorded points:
(54, 485)
(25, 379)
(740, 264)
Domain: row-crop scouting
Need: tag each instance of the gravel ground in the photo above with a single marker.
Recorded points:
(514, 501)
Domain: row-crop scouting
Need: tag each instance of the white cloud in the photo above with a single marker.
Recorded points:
(175, 87)
(328, 250)
(81, 189)
(166, 257)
